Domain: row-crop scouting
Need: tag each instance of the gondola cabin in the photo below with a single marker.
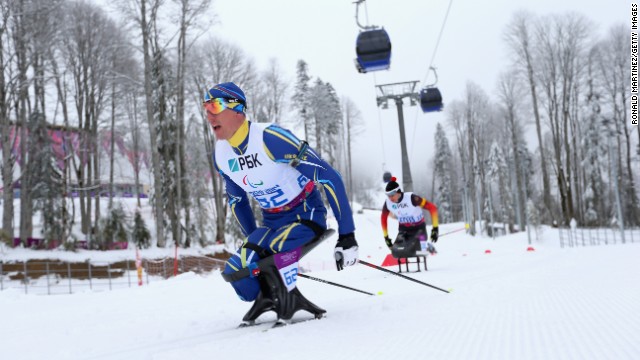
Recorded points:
(386, 177)
(373, 48)
(430, 99)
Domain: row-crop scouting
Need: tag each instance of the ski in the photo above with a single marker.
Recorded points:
(286, 323)
(274, 324)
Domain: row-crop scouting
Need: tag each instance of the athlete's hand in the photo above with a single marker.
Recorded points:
(434, 234)
(387, 240)
(346, 251)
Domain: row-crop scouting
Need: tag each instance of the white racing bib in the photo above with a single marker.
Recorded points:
(405, 211)
(272, 184)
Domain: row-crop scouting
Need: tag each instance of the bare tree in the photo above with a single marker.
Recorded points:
(144, 14)
(88, 58)
(7, 83)
(354, 126)
(33, 27)
(614, 72)
(456, 117)
(509, 95)
(190, 10)
(214, 62)
(561, 46)
(519, 37)
(275, 90)
(476, 107)
(131, 98)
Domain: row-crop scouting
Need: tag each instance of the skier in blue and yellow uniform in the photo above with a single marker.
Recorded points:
(280, 172)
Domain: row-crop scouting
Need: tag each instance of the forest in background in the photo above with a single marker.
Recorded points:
(66, 64)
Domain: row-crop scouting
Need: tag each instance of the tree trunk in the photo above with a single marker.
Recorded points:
(8, 160)
(148, 91)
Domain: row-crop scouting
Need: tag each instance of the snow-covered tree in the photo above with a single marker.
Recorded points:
(140, 234)
(498, 173)
(333, 126)
(301, 97)
(442, 174)
(592, 148)
(45, 185)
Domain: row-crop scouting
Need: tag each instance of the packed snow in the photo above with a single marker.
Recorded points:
(550, 303)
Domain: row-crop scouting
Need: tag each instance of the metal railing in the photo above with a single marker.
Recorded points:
(574, 237)
(58, 277)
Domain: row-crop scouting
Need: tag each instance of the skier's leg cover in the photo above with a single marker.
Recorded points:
(279, 233)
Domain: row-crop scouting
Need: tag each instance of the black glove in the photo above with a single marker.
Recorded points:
(387, 240)
(346, 251)
(434, 234)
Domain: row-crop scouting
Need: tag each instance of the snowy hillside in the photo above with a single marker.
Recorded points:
(551, 303)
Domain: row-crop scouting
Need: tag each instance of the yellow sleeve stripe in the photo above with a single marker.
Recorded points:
(269, 154)
(333, 195)
(281, 137)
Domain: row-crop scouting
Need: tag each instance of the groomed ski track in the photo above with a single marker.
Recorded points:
(551, 303)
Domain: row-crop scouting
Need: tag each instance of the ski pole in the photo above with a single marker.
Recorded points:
(334, 284)
(451, 232)
(466, 226)
(400, 275)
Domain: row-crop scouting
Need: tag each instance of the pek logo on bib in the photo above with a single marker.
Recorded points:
(242, 162)
(287, 264)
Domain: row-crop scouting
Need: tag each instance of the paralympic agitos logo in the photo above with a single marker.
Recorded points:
(242, 162)
(246, 181)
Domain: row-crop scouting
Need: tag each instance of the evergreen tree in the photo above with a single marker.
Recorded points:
(498, 171)
(319, 118)
(141, 236)
(167, 146)
(333, 125)
(45, 178)
(533, 218)
(442, 173)
(591, 144)
(113, 228)
(300, 98)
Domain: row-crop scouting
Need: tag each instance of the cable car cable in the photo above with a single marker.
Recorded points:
(375, 86)
(433, 55)
(384, 155)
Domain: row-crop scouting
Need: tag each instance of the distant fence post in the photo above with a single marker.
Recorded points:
(570, 242)
(164, 269)
(147, 271)
(69, 274)
(48, 287)
(90, 275)
(26, 278)
(128, 274)
(109, 273)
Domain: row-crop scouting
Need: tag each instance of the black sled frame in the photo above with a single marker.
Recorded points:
(274, 295)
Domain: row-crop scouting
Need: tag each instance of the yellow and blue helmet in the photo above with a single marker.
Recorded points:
(231, 93)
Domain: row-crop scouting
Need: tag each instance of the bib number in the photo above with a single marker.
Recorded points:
(287, 264)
